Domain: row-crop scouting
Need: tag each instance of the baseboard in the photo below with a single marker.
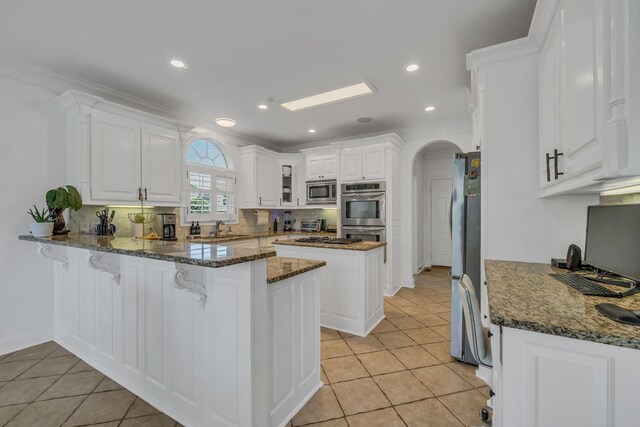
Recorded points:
(304, 402)
(9, 345)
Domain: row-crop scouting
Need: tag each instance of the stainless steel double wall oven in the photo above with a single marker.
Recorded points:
(364, 211)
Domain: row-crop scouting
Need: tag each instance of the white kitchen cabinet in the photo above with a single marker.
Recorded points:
(161, 164)
(545, 380)
(266, 181)
(115, 153)
(586, 95)
(258, 178)
(115, 157)
(291, 181)
(362, 163)
(321, 167)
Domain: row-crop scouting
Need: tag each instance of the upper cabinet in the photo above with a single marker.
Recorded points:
(586, 96)
(119, 155)
(362, 163)
(268, 179)
(571, 93)
(321, 166)
(257, 178)
(130, 159)
(291, 181)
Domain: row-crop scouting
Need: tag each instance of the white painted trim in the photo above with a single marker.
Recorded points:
(19, 342)
(427, 208)
(504, 52)
(541, 22)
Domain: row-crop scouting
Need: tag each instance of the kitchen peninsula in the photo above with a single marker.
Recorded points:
(213, 335)
(352, 294)
(556, 360)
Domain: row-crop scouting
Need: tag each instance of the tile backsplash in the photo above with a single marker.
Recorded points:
(85, 219)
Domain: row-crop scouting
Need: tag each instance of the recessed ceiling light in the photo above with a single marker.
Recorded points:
(412, 67)
(179, 64)
(312, 131)
(263, 106)
(364, 120)
(329, 97)
(226, 123)
(430, 108)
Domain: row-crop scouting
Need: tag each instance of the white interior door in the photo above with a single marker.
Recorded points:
(440, 196)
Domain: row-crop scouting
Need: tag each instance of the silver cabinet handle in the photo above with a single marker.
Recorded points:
(281, 201)
(298, 201)
(260, 201)
(145, 193)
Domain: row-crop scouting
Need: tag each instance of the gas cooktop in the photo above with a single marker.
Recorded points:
(328, 240)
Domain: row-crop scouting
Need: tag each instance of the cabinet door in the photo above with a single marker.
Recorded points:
(549, 78)
(351, 165)
(287, 185)
(115, 158)
(161, 164)
(267, 191)
(314, 167)
(373, 163)
(581, 85)
(330, 167)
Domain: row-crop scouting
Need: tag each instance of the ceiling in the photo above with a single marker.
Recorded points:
(244, 53)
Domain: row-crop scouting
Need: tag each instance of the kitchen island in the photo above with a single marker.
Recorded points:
(212, 335)
(556, 360)
(352, 293)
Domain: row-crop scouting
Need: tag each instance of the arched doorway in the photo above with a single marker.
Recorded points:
(432, 173)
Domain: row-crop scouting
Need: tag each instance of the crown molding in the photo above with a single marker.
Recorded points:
(58, 84)
(541, 22)
(503, 52)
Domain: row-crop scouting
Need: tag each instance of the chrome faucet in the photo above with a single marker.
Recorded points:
(216, 229)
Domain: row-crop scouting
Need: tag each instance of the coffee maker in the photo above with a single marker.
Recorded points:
(166, 226)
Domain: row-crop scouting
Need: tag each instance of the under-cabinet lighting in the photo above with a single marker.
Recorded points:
(336, 95)
(430, 108)
(620, 191)
(263, 106)
(312, 131)
(413, 67)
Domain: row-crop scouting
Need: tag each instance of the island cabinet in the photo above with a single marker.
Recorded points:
(352, 294)
(556, 360)
(118, 155)
(209, 346)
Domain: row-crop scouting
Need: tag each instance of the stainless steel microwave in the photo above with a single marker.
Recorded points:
(323, 192)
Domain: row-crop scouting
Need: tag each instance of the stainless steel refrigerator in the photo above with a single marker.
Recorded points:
(465, 244)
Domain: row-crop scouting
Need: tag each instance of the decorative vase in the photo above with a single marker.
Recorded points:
(41, 229)
(58, 221)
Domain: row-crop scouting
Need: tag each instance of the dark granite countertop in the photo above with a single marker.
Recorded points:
(251, 236)
(523, 296)
(194, 253)
(280, 268)
(360, 246)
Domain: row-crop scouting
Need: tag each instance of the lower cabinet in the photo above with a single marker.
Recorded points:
(546, 380)
(352, 293)
(248, 354)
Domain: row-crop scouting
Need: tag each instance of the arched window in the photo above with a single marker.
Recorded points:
(210, 183)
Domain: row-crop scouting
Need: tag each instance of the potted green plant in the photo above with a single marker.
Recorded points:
(59, 199)
(42, 227)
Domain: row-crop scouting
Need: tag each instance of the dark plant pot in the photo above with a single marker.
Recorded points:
(58, 221)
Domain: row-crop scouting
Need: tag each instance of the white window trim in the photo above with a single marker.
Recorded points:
(216, 172)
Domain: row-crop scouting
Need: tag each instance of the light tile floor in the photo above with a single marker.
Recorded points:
(399, 375)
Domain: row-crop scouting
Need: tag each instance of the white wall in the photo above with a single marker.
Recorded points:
(517, 224)
(31, 164)
(462, 136)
